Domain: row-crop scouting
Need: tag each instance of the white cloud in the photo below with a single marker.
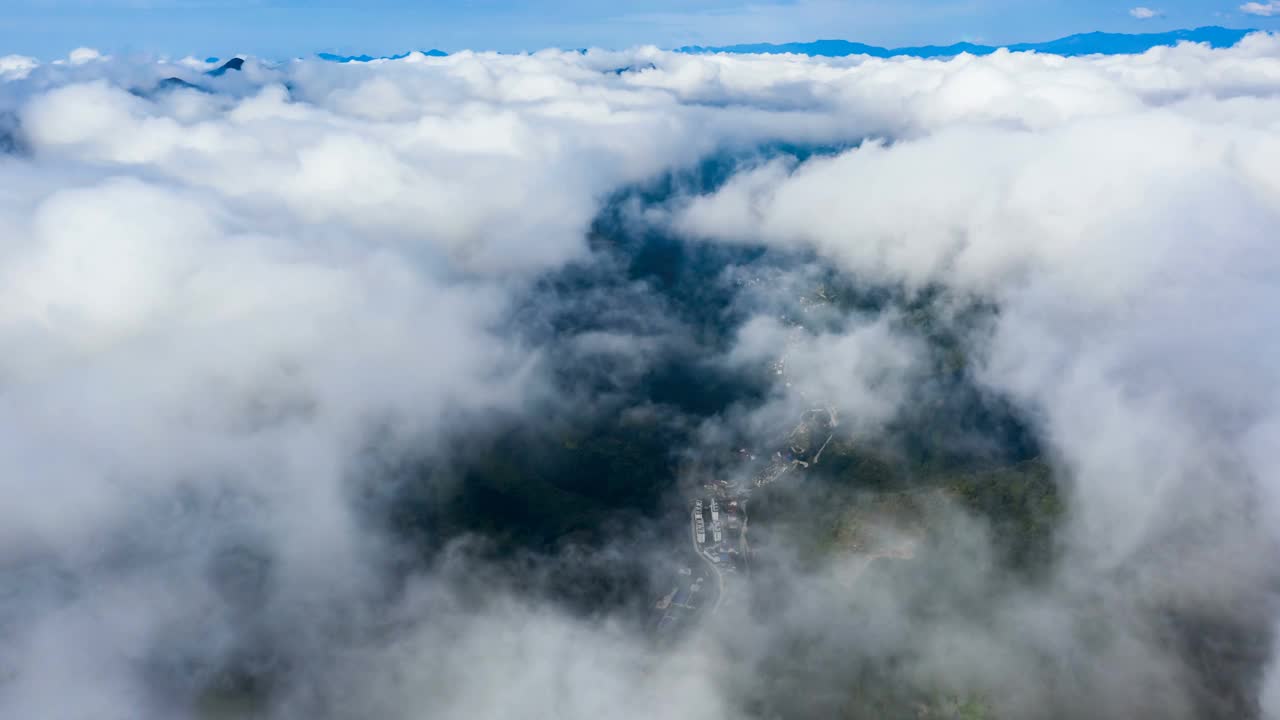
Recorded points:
(1144, 13)
(83, 55)
(16, 66)
(1264, 9)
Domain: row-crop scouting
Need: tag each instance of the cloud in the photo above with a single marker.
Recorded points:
(17, 66)
(1144, 13)
(1266, 9)
(83, 55)
(236, 317)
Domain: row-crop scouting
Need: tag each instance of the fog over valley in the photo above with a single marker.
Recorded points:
(641, 384)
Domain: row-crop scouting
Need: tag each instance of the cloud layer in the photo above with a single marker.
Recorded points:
(216, 300)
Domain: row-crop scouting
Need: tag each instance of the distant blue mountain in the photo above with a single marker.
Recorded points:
(232, 64)
(630, 68)
(10, 142)
(176, 83)
(1093, 43)
(366, 58)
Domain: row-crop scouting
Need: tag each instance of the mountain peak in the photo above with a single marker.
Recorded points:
(232, 64)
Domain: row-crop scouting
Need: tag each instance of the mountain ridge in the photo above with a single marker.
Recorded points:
(333, 57)
(1091, 43)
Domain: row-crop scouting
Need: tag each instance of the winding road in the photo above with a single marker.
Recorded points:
(693, 538)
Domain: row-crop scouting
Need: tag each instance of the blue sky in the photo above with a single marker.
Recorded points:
(50, 28)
